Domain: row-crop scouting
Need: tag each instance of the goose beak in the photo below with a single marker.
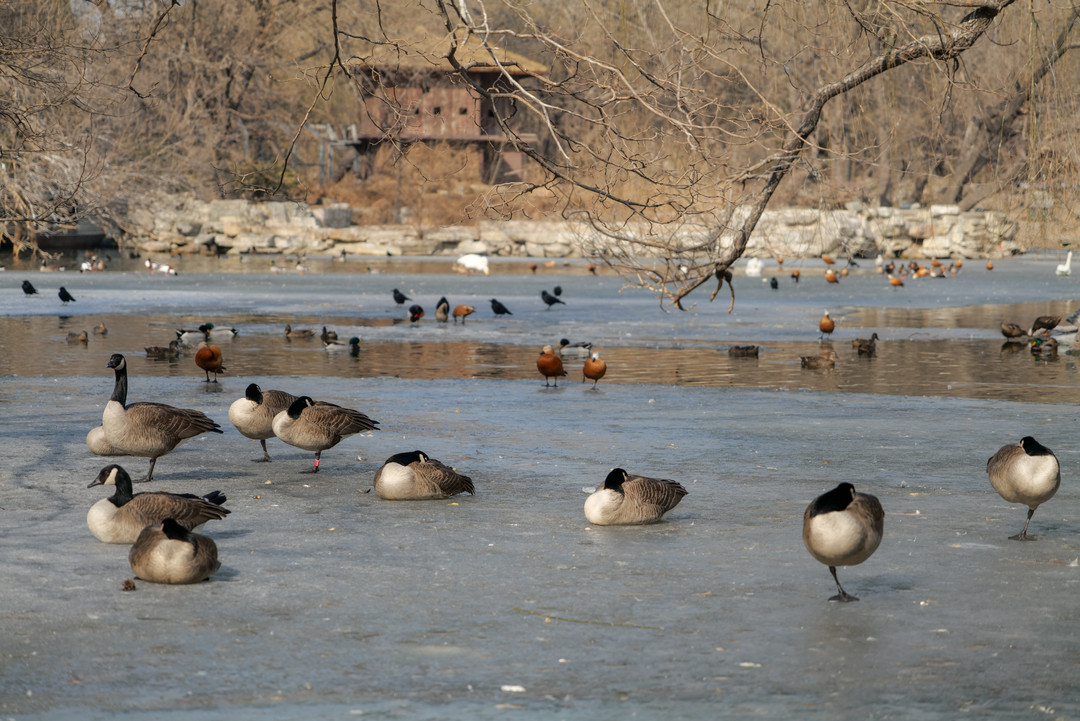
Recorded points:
(96, 482)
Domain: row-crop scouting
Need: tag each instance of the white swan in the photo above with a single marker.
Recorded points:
(1066, 267)
(473, 263)
(754, 267)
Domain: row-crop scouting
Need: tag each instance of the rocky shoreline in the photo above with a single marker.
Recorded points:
(229, 227)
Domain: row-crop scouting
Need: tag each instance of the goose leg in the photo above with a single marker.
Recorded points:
(315, 468)
(1023, 536)
(149, 474)
(842, 596)
(266, 455)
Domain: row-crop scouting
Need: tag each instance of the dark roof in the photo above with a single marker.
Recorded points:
(431, 52)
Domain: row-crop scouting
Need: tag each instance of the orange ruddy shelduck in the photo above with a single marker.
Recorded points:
(594, 369)
(463, 311)
(550, 365)
(208, 357)
(826, 325)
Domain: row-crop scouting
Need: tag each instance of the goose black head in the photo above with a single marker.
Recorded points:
(615, 479)
(299, 405)
(837, 499)
(108, 476)
(254, 393)
(1033, 448)
(117, 362)
(407, 457)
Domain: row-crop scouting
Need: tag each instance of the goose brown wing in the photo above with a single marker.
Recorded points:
(337, 420)
(659, 493)
(438, 477)
(180, 423)
(188, 511)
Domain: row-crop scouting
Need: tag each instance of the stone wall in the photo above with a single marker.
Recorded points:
(184, 225)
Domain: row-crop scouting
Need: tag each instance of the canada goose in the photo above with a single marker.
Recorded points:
(298, 334)
(567, 349)
(167, 552)
(549, 365)
(416, 476)
(442, 310)
(28, 288)
(253, 415)
(1026, 472)
(499, 309)
(80, 337)
(415, 313)
(826, 325)
(400, 297)
(865, 346)
(549, 299)
(826, 360)
(1045, 322)
(1066, 267)
(318, 426)
(65, 297)
(623, 499)
(352, 346)
(95, 441)
(1012, 330)
(171, 352)
(843, 528)
(743, 351)
(120, 518)
(594, 369)
(327, 335)
(145, 429)
(463, 312)
(208, 358)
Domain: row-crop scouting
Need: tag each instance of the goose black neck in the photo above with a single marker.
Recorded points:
(615, 479)
(123, 493)
(120, 390)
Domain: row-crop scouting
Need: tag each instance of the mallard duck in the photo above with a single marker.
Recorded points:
(319, 426)
(80, 337)
(170, 352)
(214, 332)
(1045, 322)
(743, 351)
(416, 476)
(122, 516)
(549, 365)
(298, 334)
(865, 346)
(327, 335)
(167, 552)
(580, 349)
(352, 346)
(843, 528)
(253, 415)
(623, 499)
(1012, 330)
(1044, 347)
(1026, 472)
(827, 359)
(145, 429)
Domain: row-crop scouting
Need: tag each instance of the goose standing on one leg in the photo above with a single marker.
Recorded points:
(1026, 472)
(843, 528)
(318, 426)
(623, 499)
(167, 552)
(121, 517)
(416, 476)
(146, 429)
(253, 415)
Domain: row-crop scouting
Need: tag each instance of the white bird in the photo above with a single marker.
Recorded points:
(473, 263)
(754, 267)
(1066, 267)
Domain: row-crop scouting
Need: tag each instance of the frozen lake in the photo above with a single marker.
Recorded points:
(332, 603)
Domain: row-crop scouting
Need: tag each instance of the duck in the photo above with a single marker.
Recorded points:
(795, 274)
(415, 313)
(831, 276)
(298, 334)
(1012, 330)
(100, 329)
(352, 346)
(122, 516)
(463, 312)
(1044, 347)
(843, 528)
(317, 426)
(499, 309)
(549, 299)
(743, 351)
(327, 335)
(865, 346)
(826, 325)
(567, 349)
(549, 365)
(80, 337)
(827, 359)
(895, 281)
(147, 429)
(214, 332)
(1045, 322)
(208, 358)
(593, 369)
(623, 499)
(253, 415)
(166, 552)
(95, 441)
(442, 310)
(1066, 267)
(400, 297)
(1026, 472)
(65, 297)
(170, 352)
(189, 336)
(414, 475)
